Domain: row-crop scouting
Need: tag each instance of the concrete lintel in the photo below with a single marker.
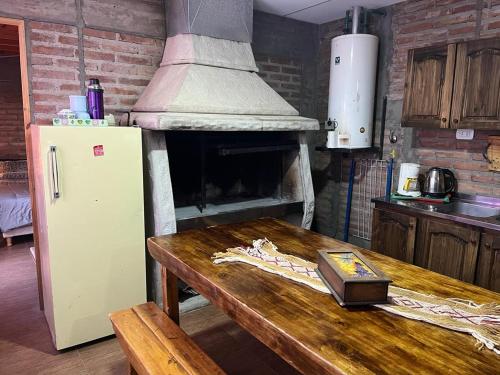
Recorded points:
(221, 122)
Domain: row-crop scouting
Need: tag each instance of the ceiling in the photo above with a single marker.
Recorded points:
(316, 11)
(9, 42)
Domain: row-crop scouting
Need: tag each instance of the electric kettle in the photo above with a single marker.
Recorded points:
(439, 182)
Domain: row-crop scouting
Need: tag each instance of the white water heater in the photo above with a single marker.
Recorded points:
(353, 72)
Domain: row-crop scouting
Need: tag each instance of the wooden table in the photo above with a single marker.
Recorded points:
(309, 329)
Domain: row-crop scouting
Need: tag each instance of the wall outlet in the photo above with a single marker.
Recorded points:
(466, 134)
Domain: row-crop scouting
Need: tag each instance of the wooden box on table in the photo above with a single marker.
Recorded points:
(351, 278)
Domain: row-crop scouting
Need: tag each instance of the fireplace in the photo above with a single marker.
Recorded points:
(197, 179)
(220, 177)
(220, 145)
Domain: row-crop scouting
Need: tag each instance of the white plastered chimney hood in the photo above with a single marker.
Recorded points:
(208, 78)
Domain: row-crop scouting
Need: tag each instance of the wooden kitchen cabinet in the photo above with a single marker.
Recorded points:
(488, 266)
(455, 86)
(476, 92)
(447, 248)
(462, 251)
(428, 87)
(394, 234)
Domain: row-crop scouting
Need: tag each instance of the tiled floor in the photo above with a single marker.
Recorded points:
(26, 347)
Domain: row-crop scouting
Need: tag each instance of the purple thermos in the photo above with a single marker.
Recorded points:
(95, 99)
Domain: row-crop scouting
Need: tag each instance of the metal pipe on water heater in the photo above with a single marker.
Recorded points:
(356, 12)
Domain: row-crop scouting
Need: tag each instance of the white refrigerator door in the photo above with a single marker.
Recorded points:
(92, 237)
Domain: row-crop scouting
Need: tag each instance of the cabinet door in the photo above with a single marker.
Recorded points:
(488, 268)
(476, 93)
(447, 248)
(393, 234)
(428, 87)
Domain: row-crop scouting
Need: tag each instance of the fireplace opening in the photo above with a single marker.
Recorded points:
(214, 173)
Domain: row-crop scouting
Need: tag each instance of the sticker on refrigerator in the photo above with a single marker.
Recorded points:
(337, 60)
(99, 150)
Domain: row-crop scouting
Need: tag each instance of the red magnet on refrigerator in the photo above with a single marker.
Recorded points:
(99, 150)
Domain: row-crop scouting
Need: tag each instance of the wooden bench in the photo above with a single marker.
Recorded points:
(154, 344)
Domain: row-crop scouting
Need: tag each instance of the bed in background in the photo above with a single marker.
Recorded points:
(15, 202)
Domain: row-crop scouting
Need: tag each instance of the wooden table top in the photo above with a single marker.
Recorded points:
(308, 328)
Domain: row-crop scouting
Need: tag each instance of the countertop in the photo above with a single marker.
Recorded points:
(434, 210)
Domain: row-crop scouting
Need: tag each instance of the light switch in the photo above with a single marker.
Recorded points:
(466, 134)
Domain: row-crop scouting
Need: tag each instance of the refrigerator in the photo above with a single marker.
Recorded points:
(89, 202)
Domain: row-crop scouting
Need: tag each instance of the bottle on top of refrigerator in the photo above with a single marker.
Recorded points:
(95, 99)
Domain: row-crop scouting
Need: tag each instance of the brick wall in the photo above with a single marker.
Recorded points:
(291, 44)
(55, 60)
(284, 75)
(123, 63)
(11, 126)
(327, 32)
(439, 148)
(11, 110)
(119, 42)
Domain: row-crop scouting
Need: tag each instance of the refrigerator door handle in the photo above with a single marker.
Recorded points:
(55, 172)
